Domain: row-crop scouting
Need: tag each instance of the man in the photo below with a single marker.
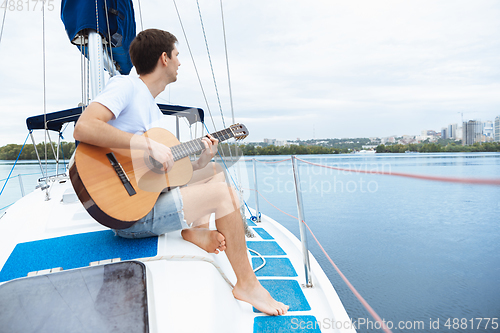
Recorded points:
(117, 118)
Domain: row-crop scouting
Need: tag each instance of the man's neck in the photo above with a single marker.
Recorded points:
(154, 83)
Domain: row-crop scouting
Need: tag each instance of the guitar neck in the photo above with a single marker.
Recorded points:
(195, 146)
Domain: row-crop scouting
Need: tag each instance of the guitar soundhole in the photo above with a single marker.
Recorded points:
(153, 164)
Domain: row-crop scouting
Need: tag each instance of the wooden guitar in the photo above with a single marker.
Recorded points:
(120, 186)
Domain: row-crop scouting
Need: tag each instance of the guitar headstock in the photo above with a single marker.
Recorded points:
(239, 131)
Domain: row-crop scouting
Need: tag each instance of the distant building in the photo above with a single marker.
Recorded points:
(275, 142)
(452, 132)
(497, 129)
(488, 131)
(472, 132)
(444, 133)
(389, 139)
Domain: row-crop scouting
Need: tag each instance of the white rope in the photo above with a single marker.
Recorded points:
(190, 258)
(261, 257)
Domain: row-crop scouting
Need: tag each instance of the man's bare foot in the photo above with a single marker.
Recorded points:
(260, 298)
(211, 241)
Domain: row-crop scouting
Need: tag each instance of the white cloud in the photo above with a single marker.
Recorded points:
(345, 68)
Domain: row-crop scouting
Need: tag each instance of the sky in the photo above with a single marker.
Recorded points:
(298, 69)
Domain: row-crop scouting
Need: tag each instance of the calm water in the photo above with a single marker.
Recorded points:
(417, 251)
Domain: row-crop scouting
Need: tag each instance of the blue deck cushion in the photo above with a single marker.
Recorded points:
(282, 324)
(74, 251)
(263, 233)
(288, 292)
(266, 248)
(274, 267)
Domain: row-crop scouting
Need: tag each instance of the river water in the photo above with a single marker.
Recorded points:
(418, 251)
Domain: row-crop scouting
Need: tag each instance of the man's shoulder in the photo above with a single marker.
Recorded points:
(123, 79)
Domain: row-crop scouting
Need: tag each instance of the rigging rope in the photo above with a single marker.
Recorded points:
(3, 22)
(140, 15)
(111, 66)
(18, 155)
(211, 66)
(477, 181)
(194, 64)
(44, 98)
(227, 63)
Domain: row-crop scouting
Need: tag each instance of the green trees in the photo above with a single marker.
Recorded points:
(289, 150)
(10, 151)
(432, 147)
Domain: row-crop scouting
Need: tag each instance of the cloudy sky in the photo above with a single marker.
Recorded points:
(299, 69)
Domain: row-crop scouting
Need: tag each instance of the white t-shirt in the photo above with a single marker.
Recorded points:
(134, 108)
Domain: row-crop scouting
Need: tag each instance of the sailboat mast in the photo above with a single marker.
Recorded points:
(96, 53)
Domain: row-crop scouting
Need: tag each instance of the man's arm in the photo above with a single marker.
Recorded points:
(93, 128)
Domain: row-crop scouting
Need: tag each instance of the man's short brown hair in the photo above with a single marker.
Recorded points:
(148, 46)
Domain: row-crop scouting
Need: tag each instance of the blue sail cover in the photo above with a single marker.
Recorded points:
(78, 15)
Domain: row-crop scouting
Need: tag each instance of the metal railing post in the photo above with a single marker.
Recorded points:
(257, 211)
(303, 234)
(21, 184)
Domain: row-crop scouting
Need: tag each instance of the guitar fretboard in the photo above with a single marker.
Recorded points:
(195, 146)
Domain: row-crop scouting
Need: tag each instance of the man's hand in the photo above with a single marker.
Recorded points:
(210, 150)
(161, 154)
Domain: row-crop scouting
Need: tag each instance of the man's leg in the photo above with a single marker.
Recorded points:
(221, 199)
(211, 241)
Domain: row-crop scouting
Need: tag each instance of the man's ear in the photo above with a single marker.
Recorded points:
(164, 59)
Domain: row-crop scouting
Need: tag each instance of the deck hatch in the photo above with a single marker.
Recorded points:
(106, 298)
(74, 251)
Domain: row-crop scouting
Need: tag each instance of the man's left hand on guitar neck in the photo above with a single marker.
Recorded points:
(206, 156)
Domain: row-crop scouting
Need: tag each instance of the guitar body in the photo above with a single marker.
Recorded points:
(104, 195)
(120, 186)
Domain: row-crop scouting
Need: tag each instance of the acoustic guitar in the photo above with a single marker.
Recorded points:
(120, 186)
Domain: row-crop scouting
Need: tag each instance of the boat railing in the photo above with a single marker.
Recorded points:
(303, 225)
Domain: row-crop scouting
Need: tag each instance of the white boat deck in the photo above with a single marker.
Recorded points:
(188, 290)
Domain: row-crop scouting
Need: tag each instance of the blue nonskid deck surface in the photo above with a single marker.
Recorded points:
(251, 223)
(266, 248)
(274, 267)
(74, 251)
(288, 292)
(286, 324)
(263, 233)
(283, 286)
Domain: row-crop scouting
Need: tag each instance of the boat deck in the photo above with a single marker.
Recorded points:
(188, 290)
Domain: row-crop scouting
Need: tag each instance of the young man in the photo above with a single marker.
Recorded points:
(117, 118)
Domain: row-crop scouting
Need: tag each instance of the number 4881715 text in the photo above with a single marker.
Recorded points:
(26, 5)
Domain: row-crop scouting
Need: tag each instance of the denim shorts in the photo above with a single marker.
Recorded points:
(166, 216)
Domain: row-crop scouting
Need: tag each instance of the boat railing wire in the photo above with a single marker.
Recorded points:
(376, 317)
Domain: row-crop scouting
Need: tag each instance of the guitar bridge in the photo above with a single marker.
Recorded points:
(121, 173)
